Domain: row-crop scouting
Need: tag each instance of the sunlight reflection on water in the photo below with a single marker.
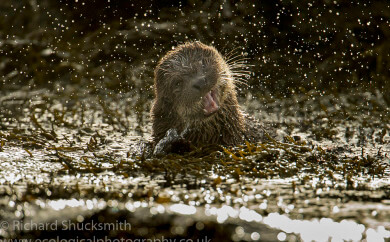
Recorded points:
(324, 229)
(183, 209)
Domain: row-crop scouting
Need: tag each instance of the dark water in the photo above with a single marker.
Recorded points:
(76, 89)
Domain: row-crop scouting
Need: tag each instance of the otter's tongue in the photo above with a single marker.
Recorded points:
(210, 103)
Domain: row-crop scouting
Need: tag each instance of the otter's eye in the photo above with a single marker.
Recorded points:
(177, 83)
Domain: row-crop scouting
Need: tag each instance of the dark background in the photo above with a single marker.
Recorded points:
(292, 46)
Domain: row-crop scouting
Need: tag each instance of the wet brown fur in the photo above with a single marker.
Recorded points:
(179, 108)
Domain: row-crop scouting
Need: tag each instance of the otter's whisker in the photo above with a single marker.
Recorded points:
(236, 58)
(231, 53)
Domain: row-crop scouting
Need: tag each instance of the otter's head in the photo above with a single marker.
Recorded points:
(193, 81)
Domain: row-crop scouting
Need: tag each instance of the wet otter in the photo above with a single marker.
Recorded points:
(195, 97)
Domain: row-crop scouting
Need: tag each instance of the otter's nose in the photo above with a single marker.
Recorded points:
(199, 83)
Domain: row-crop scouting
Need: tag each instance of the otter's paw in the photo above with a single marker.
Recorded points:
(172, 143)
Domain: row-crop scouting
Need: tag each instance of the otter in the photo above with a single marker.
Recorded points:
(196, 97)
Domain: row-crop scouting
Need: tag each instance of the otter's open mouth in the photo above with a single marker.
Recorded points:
(210, 103)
